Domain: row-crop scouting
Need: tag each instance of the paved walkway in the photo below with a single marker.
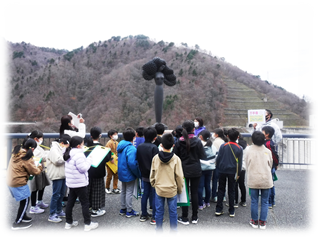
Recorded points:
(291, 214)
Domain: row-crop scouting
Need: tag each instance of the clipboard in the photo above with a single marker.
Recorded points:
(113, 166)
(98, 154)
(183, 198)
(37, 161)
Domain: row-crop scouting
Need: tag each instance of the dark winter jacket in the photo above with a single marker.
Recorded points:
(99, 171)
(225, 160)
(145, 153)
(190, 161)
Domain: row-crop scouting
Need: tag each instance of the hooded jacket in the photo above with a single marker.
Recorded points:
(128, 168)
(225, 160)
(76, 168)
(19, 170)
(55, 162)
(145, 153)
(190, 161)
(166, 174)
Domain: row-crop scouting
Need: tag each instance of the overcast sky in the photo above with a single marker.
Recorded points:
(273, 39)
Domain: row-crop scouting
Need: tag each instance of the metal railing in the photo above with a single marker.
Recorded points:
(295, 150)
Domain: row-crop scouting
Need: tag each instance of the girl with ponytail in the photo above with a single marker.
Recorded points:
(56, 173)
(76, 174)
(39, 182)
(21, 166)
(190, 150)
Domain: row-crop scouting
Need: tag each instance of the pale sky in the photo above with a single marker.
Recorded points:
(273, 39)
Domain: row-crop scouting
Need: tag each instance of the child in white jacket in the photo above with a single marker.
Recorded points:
(76, 167)
(56, 173)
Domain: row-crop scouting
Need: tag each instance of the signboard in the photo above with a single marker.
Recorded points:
(256, 116)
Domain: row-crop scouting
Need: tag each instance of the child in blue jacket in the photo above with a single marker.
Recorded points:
(128, 171)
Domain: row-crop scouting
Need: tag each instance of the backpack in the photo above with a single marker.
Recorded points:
(209, 162)
(274, 154)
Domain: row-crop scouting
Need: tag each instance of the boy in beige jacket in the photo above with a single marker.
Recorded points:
(166, 176)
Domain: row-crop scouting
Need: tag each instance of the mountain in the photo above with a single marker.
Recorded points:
(104, 82)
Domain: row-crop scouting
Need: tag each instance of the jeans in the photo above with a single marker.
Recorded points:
(194, 186)
(82, 194)
(205, 182)
(149, 192)
(215, 182)
(221, 191)
(59, 187)
(271, 198)
(240, 183)
(254, 203)
(173, 215)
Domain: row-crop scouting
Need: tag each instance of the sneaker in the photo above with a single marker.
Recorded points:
(42, 205)
(262, 225)
(219, 213)
(270, 206)
(215, 199)
(61, 214)
(195, 220)
(243, 204)
(208, 204)
(26, 219)
(91, 226)
(107, 190)
(204, 205)
(143, 218)
(54, 218)
(116, 191)
(232, 214)
(254, 224)
(177, 235)
(152, 221)
(20, 226)
(122, 212)
(201, 208)
(96, 213)
(69, 226)
(236, 205)
(183, 220)
(132, 213)
(36, 210)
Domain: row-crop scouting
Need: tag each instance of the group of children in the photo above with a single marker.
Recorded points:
(164, 162)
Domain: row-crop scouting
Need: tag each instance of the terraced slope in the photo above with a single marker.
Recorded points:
(241, 98)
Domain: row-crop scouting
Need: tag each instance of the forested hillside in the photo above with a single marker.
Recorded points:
(104, 83)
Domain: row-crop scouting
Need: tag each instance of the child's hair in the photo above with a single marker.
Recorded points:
(129, 134)
(27, 144)
(178, 131)
(200, 120)
(150, 133)
(65, 139)
(35, 134)
(220, 134)
(167, 141)
(233, 134)
(188, 127)
(258, 138)
(95, 133)
(160, 128)
(65, 120)
(140, 131)
(269, 130)
(74, 142)
(111, 133)
(206, 135)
